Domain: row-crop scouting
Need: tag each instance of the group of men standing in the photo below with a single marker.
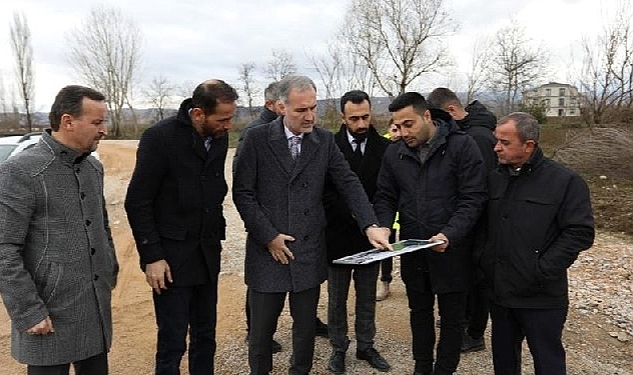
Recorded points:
(510, 225)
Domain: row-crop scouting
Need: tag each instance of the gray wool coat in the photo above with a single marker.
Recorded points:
(275, 194)
(56, 254)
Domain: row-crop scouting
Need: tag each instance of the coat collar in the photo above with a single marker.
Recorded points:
(279, 145)
(66, 154)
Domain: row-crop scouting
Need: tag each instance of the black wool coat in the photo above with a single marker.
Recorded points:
(342, 234)
(174, 200)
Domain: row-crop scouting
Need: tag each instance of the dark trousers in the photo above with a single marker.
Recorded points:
(451, 309)
(339, 279)
(265, 311)
(477, 310)
(543, 329)
(182, 309)
(97, 365)
(386, 269)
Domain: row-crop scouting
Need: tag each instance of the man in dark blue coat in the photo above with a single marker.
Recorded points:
(363, 148)
(539, 219)
(436, 179)
(478, 122)
(174, 205)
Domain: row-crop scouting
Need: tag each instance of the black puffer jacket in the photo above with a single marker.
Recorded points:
(480, 124)
(538, 222)
(444, 194)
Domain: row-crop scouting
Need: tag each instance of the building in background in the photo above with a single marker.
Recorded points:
(557, 99)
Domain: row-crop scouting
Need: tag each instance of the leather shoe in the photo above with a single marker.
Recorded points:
(337, 363)
(321, 329)
(374, 359)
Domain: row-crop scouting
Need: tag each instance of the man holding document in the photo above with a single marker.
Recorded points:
(436, 180)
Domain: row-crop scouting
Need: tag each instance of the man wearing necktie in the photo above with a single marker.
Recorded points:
(363, 148)
(280, 200)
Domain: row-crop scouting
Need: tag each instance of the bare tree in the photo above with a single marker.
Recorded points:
(23, 54)
(476, 74)
(399, 40)
(515, 64)
(105, 51)
(246, 72)
(280, 65)
(159, 93)
(606, 77)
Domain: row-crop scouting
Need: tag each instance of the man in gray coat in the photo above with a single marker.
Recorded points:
(58, 261)
(278, 188)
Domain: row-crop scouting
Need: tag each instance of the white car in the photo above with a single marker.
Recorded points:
(15, 144)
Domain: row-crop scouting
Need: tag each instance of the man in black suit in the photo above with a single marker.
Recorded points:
(363, 148)
(278, 190)
(174, 206)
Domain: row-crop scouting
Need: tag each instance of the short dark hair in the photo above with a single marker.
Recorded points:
(69, 101)
(354, 96)
(209, 93)
(441, 97)
(420, 105)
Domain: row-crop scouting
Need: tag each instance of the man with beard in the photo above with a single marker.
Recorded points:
(363, 148)
(278, 190)
(436, 181)
(478, 122)
(174, 205)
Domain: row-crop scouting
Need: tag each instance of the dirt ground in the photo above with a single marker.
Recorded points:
(590, 348)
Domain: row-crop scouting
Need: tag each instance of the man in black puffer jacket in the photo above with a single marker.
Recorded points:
(436, 179)
(478, 122)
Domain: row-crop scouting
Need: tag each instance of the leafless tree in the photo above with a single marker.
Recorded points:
(399, 40)
(105, 51)
(606, 77)
(515, 64)
(280, 65)
(246, 77)
(23, 54)
(159, 92)
(340, 71)
(476, 74)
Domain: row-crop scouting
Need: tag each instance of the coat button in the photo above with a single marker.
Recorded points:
(82, 195)
(88, 222)
(305, 238)
(96, 277)
(93, 251)
(306, 212)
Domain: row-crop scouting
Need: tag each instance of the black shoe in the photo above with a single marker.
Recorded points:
(276, 347)
(321, 329)
(470, 344)
(374, 359)
(337, 363)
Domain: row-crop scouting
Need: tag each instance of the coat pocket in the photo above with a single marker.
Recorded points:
(47, 281)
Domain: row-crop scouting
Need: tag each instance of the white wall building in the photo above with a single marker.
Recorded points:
(559, 99)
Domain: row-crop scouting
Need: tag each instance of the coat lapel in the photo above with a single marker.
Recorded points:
(279, 145)
(309, 147)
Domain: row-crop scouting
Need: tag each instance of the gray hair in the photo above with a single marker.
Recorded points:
(271, 93)
(526, 124)
(288, 83)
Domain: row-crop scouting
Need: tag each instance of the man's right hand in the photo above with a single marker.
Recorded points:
(155, 274)
(279, 250)
(42, 328)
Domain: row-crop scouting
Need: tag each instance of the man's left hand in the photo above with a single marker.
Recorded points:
(441, 247)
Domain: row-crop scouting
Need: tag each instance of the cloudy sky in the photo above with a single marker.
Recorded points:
(193, 40)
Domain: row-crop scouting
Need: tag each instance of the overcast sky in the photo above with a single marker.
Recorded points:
(193, 40)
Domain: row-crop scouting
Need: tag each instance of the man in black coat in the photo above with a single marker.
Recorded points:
(363, 148)
(478, 122)
(174, 206)
(435, 178)
(539, 219)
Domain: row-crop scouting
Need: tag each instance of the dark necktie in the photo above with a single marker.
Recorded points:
(357, 155)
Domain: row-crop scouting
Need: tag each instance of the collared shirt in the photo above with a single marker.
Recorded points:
(353, 143)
